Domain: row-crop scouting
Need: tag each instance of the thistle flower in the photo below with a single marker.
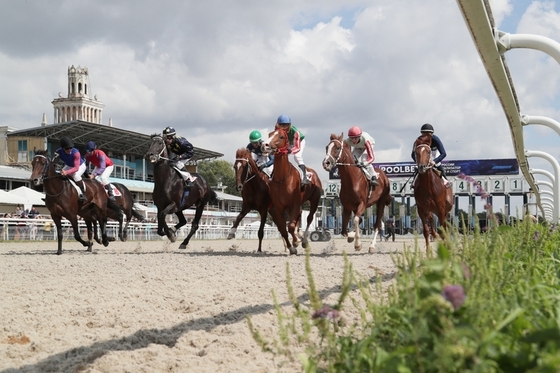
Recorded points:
(326, 312)
(454, 294)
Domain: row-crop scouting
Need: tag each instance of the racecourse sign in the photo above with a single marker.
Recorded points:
(480, 167)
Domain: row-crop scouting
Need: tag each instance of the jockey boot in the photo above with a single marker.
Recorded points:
(373, 177)
(81, 196)
(110, 193)
(187, 176)
(305, 180)
(446, 182)
(374, 180)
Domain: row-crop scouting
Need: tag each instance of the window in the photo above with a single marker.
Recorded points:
(22, 151)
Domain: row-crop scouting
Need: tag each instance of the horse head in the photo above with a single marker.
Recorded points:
(277, 142)
(39, 167)
(157, 150)
(423, 153)
(334, 152)
(244, 167)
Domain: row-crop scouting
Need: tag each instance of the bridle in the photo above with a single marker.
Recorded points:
(424, 167)
(335, 160)
(247, 175)
(159, 156)
(44, 176)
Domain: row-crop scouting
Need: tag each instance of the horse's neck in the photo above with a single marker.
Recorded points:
(53, 183)
(347, 164)
(282, 166)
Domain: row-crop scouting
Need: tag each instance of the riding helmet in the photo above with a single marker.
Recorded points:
(255, 136)
(354, 131)
(427, 128)
(90, 146)
(66, 142)
(284, 119)
(169, 131)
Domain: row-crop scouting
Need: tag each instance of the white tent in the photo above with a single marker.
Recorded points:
(32, 197)
(10, 199)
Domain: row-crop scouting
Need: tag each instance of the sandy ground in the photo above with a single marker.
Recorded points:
(149, 307)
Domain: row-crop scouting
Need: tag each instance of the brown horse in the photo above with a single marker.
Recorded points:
(254, 190)
(429, 191)
(287, 193)
(61, 199)
(356, 194)
(124, 203)
(172, 197)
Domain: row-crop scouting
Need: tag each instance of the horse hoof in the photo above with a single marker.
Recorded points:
(230, 236)
(350, 239)
(111, 239)
(293, 251)
(182, 247)
(172, 237)
(358, 248)
(371, 249)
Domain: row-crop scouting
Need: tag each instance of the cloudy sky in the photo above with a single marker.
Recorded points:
(216, 70)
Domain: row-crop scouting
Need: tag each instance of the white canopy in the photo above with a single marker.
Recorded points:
(11, 199)
(31, 197)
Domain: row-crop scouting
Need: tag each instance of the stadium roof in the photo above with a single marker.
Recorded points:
(108, 138)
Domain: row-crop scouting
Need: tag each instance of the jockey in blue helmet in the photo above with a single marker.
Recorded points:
(297, 143)
(183, 151)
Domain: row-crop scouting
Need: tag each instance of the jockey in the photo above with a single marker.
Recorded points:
(362, 150)
(297, 143)
(103, 166)
(182, 149)
(74, 164)
(438, 153)
(263, 160)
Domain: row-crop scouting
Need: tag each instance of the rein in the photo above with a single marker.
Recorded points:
(45, 177)
(247, 178)
(163, 149)
(340, 154)
(424, 167)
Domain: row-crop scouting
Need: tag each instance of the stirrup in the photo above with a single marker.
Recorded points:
(305, 181)
(82, 197)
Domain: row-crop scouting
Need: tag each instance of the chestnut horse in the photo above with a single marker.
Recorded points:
(254, 190)
(355, 192)
(61, 199)
(429, 191)
(286, 192)
(171, 196)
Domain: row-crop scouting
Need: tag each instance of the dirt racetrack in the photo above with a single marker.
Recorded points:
(149, 307)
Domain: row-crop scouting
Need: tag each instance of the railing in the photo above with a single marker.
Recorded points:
(45, 230)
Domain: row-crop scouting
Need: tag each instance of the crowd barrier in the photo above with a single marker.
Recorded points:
(44, 230)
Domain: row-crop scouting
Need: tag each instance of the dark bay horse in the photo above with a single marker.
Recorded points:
(286, 192)
(355, 192)
(171, 196)
(61, 199)
(124, 203)
(254, 191)
(431, 196)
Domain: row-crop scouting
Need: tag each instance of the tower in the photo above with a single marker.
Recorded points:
(78, 105)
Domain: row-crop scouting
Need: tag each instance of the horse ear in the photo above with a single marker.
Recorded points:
(341, 136)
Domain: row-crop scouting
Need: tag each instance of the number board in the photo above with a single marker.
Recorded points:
(460, 186)
(516, 185)
(497, 185)
(395, 186)
(474, 187)
(332, 190)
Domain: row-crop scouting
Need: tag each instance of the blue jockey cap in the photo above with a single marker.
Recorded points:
(284, 119)
(90, 146)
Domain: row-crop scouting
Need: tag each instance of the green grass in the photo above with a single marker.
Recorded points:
(509, 320)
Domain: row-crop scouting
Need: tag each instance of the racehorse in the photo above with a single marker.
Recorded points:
(429, 191)
(254, 190)
(125, 206)
(171, 196)
(356, 194)
(61, 199)
(286, 192)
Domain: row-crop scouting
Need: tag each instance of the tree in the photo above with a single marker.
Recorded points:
(218, 171)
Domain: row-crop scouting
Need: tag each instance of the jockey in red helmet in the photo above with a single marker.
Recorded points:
(297, 143)
(362, 149)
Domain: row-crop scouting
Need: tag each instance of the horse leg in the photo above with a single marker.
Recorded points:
(194, 225)
(95, 235)
(244, 211)
(281, 224)
(377, 226)
(357, 243)
(76, 231)
(314, 204)
(125, 230)
(163, 229)
(59, 234)
(260, 233)
(293, 225)
(89, 226)
(346, 213)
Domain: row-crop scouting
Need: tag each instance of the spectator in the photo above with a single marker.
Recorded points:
(382, 231)
(33, 212)
(390, 226)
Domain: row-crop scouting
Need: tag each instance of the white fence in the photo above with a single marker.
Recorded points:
(44, 229)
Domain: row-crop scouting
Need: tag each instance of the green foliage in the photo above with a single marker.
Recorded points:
(216, 171)
(482, 303)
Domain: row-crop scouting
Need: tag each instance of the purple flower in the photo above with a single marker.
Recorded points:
(455, 295)
(536, 236)
(326, 312)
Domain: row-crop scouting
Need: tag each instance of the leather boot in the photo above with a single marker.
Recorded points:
(305, 180)
(82, 196)
(110, 193)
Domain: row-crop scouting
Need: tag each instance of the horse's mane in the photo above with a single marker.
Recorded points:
(41, 152)
(424, 139)
(155, 135)
(245, 153)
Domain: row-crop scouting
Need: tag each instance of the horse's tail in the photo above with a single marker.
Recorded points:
(213, 197)
(138, 215)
